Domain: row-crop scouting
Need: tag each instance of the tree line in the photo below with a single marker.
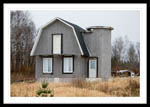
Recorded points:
(125, 55)
(22, 35)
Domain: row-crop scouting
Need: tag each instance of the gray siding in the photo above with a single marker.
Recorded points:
(79, 68)
(99, 45)
(70, 45)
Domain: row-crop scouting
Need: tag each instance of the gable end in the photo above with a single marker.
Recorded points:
(76, 30)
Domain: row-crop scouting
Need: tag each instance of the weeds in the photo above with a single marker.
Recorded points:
(134, 87)
(116, 87)
(80, 83)
(121, 87)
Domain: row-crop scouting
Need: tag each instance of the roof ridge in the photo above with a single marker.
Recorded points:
(71, 23)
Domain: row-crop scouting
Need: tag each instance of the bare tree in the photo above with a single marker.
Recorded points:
(138, 50)
(125, 55)
(138, 58)
(132, 54)
(117, 49)
(22, 34)
(133, 58)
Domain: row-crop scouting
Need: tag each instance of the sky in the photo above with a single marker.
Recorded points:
(124, 22)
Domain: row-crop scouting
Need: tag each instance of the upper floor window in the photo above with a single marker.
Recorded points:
(57, 43)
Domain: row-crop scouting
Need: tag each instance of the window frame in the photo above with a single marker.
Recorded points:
(72, 64)
(51, 64)
(61, 50)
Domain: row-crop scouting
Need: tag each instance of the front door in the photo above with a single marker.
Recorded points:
(93, 68)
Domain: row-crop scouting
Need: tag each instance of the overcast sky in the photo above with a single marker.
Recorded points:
(123, 22)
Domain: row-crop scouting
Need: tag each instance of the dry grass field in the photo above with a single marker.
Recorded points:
(78, 88)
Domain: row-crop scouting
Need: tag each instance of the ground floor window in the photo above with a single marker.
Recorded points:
(47, 65)
(68, 65)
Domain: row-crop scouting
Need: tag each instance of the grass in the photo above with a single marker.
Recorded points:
(79, 88)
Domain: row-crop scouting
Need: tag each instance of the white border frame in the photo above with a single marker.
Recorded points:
(110, 100)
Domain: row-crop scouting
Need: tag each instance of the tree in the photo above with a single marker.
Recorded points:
(132, 53)
(133, 58)
(138, 57)
(22, 35)
(138, 50)
(117, 49)
(125, 55)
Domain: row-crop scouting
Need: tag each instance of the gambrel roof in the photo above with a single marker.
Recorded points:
(77, 32)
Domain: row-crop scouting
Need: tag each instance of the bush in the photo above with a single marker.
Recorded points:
(44, 92)
(44, 84)
(39, 92)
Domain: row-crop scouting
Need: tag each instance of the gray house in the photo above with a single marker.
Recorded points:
(64, 51)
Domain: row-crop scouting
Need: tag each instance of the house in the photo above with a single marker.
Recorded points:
(64, 51)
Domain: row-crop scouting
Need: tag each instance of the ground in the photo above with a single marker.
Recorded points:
(125, 86)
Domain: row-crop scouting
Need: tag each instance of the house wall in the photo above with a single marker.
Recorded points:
(99, 44)
(70, 45)
(80, 69)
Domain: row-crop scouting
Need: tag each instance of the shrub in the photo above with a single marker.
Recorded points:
(39, 92)
(44, 92)
(44, 84)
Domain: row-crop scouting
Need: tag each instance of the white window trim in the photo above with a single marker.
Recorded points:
(51, 65)
(68, 72)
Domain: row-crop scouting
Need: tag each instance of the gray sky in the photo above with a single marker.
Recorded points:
(123, 22)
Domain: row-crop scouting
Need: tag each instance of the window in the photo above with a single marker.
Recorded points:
(68, 65)
(93, 64)
(47, 65)
(56, 44)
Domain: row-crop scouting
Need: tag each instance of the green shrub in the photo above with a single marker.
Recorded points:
(44, 92)
(39, 92)
(44, 84)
